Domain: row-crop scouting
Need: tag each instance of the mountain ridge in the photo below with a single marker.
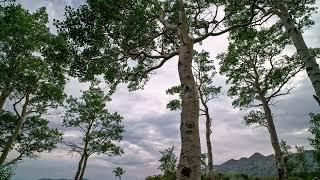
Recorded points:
(259, 165)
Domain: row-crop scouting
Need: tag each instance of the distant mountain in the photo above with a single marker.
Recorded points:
(259, 165)
(57, 179)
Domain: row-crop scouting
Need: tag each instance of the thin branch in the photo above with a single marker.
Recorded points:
(164, 60)
(269, 72)
(289, 76)
(270, 11)
(15, 104)
(230, 28)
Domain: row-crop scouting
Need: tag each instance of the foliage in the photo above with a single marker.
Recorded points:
(253, 66)
(6, 172)
(204, 162)
(99, 128)
(35, 137)
(127, 39)
(161, 177)
(298, 164)
(203, 72)
(299, 11)
(118, 172)
(168, 161)
(302, 163)
(315, 131)
(32, 59)
(255, 117)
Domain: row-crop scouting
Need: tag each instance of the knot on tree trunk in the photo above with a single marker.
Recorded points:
(189, 124)
(186, 171)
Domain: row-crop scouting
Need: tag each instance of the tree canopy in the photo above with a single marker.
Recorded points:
(253, 66)
(35, 137)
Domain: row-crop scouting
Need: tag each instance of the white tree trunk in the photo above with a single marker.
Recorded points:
(83, 167)
(190, 156)
(209, 147)
(15, 133)
(306, 56)
(80, 164)
(282, 171)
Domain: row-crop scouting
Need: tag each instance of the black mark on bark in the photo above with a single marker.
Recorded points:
(186, 171)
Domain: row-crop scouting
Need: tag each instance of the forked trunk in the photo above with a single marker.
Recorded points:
(15, 133)
(83, 167)
(79, 168)
(84, 155)
(282, 171)
(308, 59)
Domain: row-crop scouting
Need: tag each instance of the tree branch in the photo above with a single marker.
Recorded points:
(164, 60)
(15, 104)
(230, 28)
(275, 94)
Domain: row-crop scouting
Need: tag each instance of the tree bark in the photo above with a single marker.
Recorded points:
(3, 97)
(209, 148)
(79, 168)
(282, 171)
(308, 59)
(190, 155)
(190, 161)
(208, 133)
(84, 156)
(16, 132)
(83, 167)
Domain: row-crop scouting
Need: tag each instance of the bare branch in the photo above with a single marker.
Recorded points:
(15, 104)
(253, 14)
(275, 93)
(165, 57)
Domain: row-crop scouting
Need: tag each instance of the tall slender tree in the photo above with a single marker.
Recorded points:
(203, 72)
(257, 75)
(293, 16)
(147, 34)
(32, 66)
(99, 128)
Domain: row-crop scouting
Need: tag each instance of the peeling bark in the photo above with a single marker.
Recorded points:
(16, 132)
(282, 171)
(308, 59)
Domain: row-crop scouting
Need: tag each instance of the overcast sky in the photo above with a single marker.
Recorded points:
(150, 127)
